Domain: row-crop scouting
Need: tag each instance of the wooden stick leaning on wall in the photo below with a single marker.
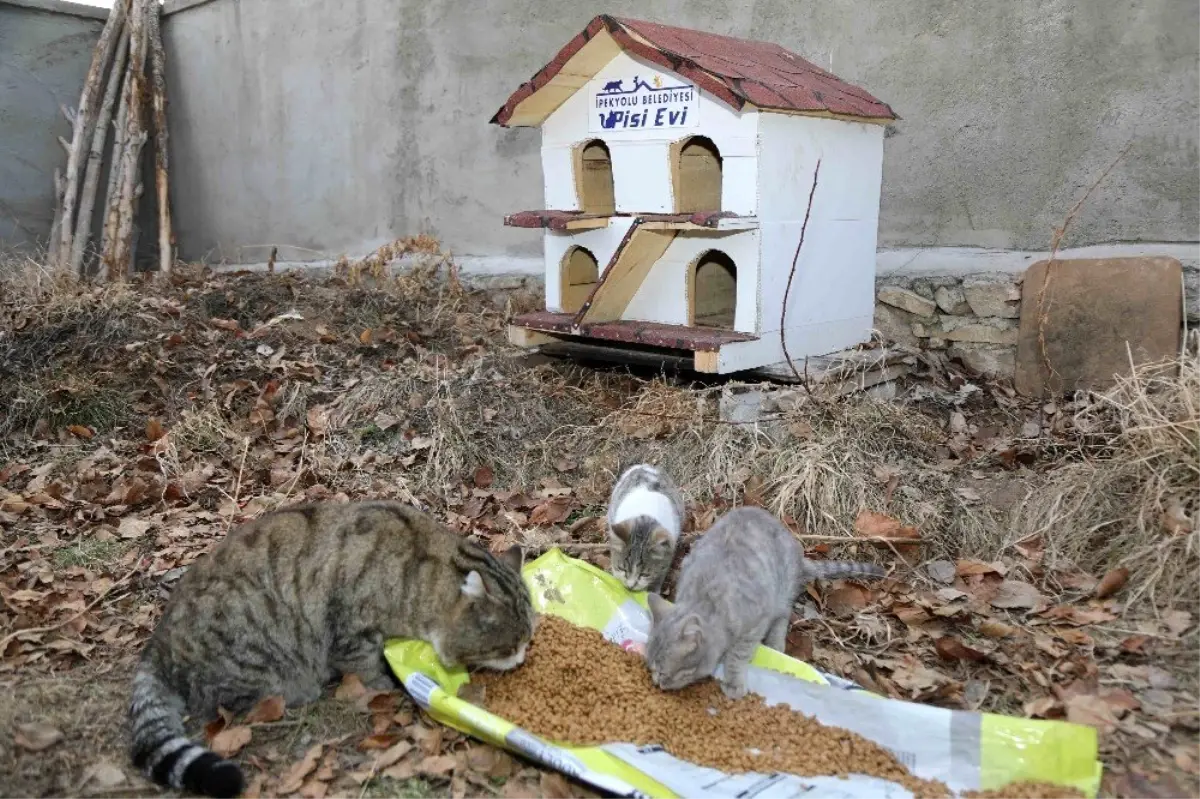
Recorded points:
(120, 253)
(60, 186)
(158, 63)
(85, 119)
(114, 170)
(95, 161)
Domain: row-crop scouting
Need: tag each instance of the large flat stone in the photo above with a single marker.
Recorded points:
(970, 329)
(952, 300)
(981, 333)
(906, 300)
(894, 324)
(1096, 315)
(986, 359)
(992, 295)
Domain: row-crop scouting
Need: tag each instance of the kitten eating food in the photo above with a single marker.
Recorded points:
(735, 590)
(645, 516)
(297, 597)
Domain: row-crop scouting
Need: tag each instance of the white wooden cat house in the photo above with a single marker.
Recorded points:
(678, 167)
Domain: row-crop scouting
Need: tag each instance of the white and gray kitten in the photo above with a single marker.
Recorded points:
(645, 516)
(735, 590)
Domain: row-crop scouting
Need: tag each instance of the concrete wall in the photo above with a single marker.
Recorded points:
(337, 126)
(45, 50)
(330, 128)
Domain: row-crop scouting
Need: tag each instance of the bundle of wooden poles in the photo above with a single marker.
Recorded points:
(126, 91)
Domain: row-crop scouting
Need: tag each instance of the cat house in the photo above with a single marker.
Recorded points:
(678, 168)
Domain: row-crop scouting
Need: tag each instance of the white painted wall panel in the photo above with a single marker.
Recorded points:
(663, 295)
(602, 242)
(835, 275)
(559, 178)
(851, 155)
(739, 184)
(641, 156)
(641, 176)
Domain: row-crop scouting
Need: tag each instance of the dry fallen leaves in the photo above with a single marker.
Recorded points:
(36, 736)
(870, 524)
(941, 571)
(378, 741)
(229, 741)
(950, 648)
(80, 431)
(996, 629)
(846, 600)
(351, 687)
(551, 512)
(266, 711)
(483, 477)
(102, 776)
(437, 766)
(1091, 710)
(1017, 595)
(293, 778)
(1112, 582)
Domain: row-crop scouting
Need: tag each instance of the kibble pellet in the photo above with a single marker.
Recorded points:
(576, 687)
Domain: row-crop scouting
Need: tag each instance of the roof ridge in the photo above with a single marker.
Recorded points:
(754, 68)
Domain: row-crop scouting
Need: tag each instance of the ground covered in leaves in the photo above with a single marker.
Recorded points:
(1042, 556)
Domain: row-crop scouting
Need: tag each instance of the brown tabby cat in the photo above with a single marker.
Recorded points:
(290, 601)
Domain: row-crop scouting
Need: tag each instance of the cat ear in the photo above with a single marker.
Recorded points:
(658, 607)
(514, 556)
(623, 530)
(473, 586)
(660, 537)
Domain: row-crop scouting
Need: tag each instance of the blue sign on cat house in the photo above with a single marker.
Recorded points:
(635, 103)
(677, 167)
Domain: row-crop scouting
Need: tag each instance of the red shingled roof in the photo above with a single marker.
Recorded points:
(736, 71)
(557, 220)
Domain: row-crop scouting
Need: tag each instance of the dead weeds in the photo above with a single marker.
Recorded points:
(1040, 556)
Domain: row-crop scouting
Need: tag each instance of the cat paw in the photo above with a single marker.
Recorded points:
(733, 691)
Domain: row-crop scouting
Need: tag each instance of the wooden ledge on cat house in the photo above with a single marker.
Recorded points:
(677, 167)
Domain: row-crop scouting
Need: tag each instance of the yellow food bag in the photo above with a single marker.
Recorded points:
(966, 751)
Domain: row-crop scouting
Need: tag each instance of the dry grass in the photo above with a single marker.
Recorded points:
(1132, 498)
(89, 709)
(401, 385)
(452, 397)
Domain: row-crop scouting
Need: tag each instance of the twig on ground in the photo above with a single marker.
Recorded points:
(788, 291)
(1060, 233)
(237, 486)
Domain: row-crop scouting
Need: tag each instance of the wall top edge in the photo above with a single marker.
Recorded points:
(60, 7)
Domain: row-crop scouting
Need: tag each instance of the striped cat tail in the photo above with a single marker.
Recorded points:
(836, 569)
(162, 749)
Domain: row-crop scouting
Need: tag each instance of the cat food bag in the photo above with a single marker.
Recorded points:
(966, 751)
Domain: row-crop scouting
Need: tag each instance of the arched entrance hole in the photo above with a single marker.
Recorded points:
(713, 292)
(593, 168)
(580, 273)
(697, 174)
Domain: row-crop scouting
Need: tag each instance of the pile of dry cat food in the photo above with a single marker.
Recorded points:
(577, 687)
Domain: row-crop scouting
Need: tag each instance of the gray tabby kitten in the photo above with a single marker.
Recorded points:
(645, 516)
(294, 599)
(735, 590)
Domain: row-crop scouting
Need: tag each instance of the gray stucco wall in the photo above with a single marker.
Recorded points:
(45, 50)
(335, 127)
(330, 128)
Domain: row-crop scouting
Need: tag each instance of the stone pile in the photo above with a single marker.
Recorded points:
(973, 317)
